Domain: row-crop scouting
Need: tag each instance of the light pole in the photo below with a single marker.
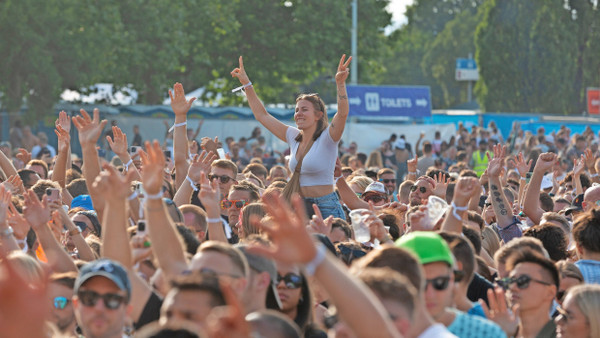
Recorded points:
(354, 64)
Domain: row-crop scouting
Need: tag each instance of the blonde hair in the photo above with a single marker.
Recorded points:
(374, 160)
(28, 267)
(249, 210)
(587, 299)
(361, 181)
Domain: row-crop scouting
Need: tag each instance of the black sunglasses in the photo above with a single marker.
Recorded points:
(222, 178)
(61, 302)
(291, 280)
(421, 189)
(348, 254)
(386, 181)
(82, 225)
(111, 301)
(438, 283)
(522, 282)
(374, 198)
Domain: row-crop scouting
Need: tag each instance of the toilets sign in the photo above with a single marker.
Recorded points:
(389, 101)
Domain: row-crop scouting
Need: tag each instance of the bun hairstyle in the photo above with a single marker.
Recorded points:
(319, 105)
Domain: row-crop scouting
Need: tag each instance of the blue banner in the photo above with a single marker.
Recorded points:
(389, 101)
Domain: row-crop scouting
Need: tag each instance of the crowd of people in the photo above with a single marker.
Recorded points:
(473, 236)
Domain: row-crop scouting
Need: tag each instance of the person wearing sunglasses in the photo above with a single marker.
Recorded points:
(375, 193)
(440, 277)
(101, 301)
(60, 294)
(388, 177)
(239, 196)
(421, 190)
(532, 285)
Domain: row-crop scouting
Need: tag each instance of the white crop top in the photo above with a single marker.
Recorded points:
(319, 163)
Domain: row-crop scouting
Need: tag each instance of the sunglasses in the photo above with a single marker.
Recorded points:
(81, 225)
(522, 282)
(374, 198)
(386, 181)
(223, 178)
(226, 204)
(111, 301)
(421, 189)
(215, 274)
(290, 280)
(348, 254)
(61, 302)
(438, 283)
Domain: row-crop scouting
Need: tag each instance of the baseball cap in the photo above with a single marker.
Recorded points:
(428, 246)
(84, 201)
(576, 205)
(375, 187)
(400, 144)
(546, 182)
(263, 264)
(106, 268)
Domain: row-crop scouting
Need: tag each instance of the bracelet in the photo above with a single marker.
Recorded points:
(312, 266)
(594, 175)
(523, 178)
(132, 196)
(74, 232)
(126, 165)
(337, 178)
(192, 184)
(242, 87)
(177, 125)
(455, 208)
(412, 173)
(157, 196)
(7, 232)
(213, 220)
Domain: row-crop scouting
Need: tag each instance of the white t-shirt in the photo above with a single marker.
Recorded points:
(437, 331)
(319, 162)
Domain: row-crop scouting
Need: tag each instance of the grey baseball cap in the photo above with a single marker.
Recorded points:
(106, 268)
(263, 264)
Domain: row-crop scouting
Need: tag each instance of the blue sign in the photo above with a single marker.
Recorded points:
(389, 101)
(466, 64)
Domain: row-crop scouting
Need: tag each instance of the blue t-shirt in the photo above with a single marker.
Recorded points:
(468, 326)
(477, 310)
(590, 269)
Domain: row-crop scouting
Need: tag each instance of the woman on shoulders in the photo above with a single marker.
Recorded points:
(316, 174)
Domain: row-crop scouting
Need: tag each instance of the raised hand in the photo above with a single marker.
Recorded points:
(343, 71)
(5, 201)
(465, 188)
(64, 121)
(24, 156)
(179, 104)
(495, 166)
(441, 185)
(319, 225)
(499, 151)
(118, 143)
(240, 73)
(590, 160)
(376, 228)
(499, 312)
(545, 162)
(522, 166)
(412, 165)
(153, 165)
(36, 213)
(208, 144)
(291, 242)
(201, 163)
(89, 128)
(112, 185)
(17, 222)
(578, 166)
(64, 138)
(210, 193)
(141, 247)
(14, 184)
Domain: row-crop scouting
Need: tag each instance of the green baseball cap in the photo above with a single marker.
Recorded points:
(428, 246)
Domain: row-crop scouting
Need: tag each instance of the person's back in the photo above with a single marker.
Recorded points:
(586, 233)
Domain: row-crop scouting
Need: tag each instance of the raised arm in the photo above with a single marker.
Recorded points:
(180, 107)
(120, 147)
(210, 195)
(293, 245)
(7, 166)
(38, 214)
(7, 239)
(339, 119)
(62, 131)
(89, 131)
(275, 126)
(578, 167)
(163, 235)
(502, 208)
(531, 204)
(200, 163)
(114, 188)
(465, 188)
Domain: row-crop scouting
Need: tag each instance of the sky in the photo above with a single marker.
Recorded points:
(397, 8)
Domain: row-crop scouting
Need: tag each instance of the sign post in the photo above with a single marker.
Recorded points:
(593, 101)
(389, 101)
(466, 70)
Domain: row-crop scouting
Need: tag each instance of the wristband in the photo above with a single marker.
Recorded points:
(455, 208)
(312, 266)
(337, 178)
(192, 184)
(126, 165)
(157, 196)
(213, 220)
(132, 196)
(242, 87)
(594, 175)
(177, 125)
(523, 178)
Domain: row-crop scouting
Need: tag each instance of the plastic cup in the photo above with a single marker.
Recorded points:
(361, 230)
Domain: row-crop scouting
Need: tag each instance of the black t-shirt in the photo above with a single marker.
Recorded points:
(478, 288)
(151, 311)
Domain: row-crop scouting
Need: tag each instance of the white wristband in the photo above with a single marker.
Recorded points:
(126, 165)
(412, 173)
(213, 220)
(337, 178)
(312, 266)
(177, 125)
(242, 87)
(457, 208)
(594, 175)
(132, 196)
(157, 196)
(192, 184)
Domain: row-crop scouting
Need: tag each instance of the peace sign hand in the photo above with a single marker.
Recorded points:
(240, 73)
(343, 71)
